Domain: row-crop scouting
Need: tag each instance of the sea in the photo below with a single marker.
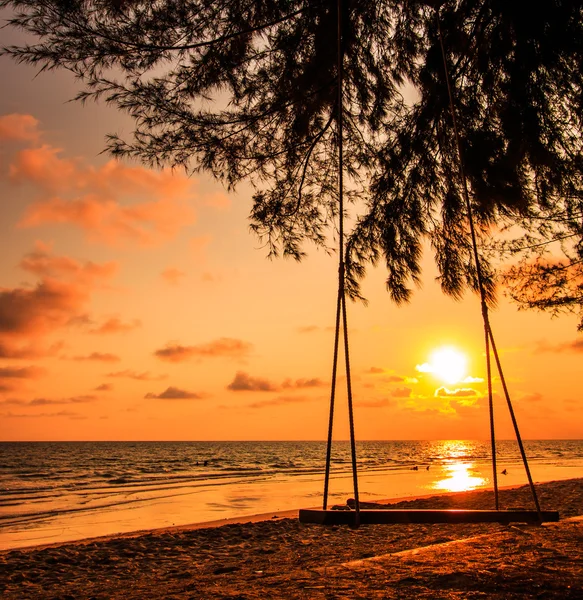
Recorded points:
(52, 492)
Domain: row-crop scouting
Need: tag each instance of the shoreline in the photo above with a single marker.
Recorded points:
(244, 500)
(98, 499)
(283, 558)
(261, 517)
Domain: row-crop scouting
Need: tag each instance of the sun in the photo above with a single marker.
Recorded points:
(447, 363)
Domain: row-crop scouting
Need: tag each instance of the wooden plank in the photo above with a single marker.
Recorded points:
(388, 516)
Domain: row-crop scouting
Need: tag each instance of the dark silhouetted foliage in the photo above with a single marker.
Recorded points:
(248, 90)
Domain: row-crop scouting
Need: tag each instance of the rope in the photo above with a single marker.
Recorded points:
(332, 398)
(491, 411)
(341, 299)
(485, 316)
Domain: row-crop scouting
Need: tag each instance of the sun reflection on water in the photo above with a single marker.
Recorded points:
(459, 471)
(460, 477)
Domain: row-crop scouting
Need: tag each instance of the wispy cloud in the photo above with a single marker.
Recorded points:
(384, 375)
(115, 325)
(402, 392)
(98, 357)
(11, 349)
(470, 379)
(82, 399)
(172, 276)
(223, 347)
(309, 329)
(21, 372)
(380, 403)
(303, 383)
(457, 393)
(143, 376)
(43, 263)
(63, 413)
(573, 346)
(534, 397)
(174, 393)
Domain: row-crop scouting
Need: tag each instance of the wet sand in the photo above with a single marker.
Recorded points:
(282, 558)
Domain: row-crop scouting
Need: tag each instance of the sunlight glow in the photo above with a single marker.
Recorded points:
(447, 363)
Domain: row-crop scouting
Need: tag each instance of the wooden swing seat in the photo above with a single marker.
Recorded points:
(453, 516)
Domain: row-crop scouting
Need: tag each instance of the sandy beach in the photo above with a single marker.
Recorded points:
(281, 558)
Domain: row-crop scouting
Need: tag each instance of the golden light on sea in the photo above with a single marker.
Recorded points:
(460, 477)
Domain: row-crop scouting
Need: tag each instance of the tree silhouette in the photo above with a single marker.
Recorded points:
(549, 274)
(248, 90)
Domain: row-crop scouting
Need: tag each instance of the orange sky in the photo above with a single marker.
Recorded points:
(135, 305)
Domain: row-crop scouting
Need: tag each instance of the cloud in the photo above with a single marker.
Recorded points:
(385, 378)
(303, 383)
(174, 393)
(38, 310)
(375, 370)
(43, 263)
(403, 392)
(21, 373)
(63, 413)
(381, 403)
(98, 356)
(104, 387)
(143, 376)
(30, 312)
(470, 379)
(172, 275)
(84, 399)
(113, 204)
(308, 329)
(243, 382)
(457, 393)
(19, 127)
(115, 325)
(223, 347)
(80, 321)
(30, 351)
(534, 397)
(574, 346)
(279, 401)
